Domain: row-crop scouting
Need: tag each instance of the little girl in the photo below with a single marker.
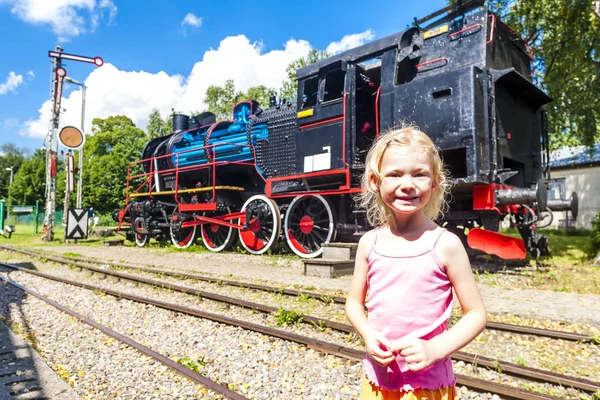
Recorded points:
(408, 266)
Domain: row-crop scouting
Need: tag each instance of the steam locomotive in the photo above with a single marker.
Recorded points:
(288, 172)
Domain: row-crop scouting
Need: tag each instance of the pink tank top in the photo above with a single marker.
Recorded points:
(410, 296)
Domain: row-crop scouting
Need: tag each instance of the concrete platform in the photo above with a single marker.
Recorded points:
(25, 375)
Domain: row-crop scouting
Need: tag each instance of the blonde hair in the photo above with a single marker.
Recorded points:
(370, 198)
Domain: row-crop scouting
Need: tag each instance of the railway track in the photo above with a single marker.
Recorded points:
(517, 329)
(581, 384)
(319, 345)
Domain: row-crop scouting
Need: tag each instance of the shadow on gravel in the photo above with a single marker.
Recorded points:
(496, 265)
(20, 366)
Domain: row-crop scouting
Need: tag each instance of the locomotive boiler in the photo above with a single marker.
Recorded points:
(287, 172)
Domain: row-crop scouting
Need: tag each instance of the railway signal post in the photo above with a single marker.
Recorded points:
(50, 142)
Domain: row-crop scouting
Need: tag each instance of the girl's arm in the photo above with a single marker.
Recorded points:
(419, 353)
(376, 345)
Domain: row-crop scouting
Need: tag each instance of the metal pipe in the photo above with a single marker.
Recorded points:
(80, 179)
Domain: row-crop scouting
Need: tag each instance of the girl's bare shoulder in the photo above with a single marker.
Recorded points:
(367, 241)
(448, 246)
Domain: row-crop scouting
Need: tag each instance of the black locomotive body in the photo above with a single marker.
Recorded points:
(289, 171)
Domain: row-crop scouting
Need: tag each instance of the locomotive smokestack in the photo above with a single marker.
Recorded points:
(272, 100)
(180, 122)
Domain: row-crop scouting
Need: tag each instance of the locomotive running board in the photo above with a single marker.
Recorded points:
(503, 246)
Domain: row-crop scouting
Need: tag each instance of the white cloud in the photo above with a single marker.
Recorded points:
(12, 82)
(135, 94)
(191, 20)
(350, 41)
(30, 74)
(67, 18)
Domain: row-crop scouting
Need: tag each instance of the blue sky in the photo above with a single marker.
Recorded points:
(164, 54)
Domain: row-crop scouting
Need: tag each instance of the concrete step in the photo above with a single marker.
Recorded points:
(113, 242)
(327, 267)
(340, 251)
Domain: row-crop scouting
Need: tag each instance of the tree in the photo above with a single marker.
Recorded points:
(158, 127)
(11, 156)
(221, 99)
(289, 86)
(565, 38)
(29, 183)
(116, 142)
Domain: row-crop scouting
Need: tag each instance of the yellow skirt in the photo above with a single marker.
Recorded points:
(369, 391)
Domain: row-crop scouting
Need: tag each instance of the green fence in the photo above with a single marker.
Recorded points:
(26, 219)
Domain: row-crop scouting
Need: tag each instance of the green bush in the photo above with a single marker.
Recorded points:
(595, 242)
(106, 220)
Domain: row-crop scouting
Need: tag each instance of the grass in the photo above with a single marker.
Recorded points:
(24, 235)
(568, 269)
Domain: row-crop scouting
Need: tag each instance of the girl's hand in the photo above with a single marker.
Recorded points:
(378, 348)
(418, 354)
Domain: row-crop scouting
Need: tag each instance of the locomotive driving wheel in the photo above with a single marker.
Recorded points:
(308, 224)
(141, 240)
(183, 238)
(217, 237)
(262, 222)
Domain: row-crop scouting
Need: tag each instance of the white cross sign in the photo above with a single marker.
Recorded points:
(77, 223)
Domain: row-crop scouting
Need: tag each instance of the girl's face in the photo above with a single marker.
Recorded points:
(406, 179)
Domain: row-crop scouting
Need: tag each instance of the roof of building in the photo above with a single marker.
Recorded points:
(577, 156)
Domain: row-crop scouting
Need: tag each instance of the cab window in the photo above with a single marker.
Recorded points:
(334, 85)
(310, 91)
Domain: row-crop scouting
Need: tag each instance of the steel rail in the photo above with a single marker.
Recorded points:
(212, 296)
(316, 344)
(500, 366)
(289, 292)
(525, 330)
(180, 369)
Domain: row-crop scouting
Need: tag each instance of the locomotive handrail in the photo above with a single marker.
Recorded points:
(493, 25)
(345, 188)
(528, 48)
(344, 132)
(431, 62)
(468, 28)
(195, 190)
(212, 163)
(377, 112)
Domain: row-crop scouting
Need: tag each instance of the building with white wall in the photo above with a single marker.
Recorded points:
(576, 169)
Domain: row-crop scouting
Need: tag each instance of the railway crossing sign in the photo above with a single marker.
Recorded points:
(77, 223)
